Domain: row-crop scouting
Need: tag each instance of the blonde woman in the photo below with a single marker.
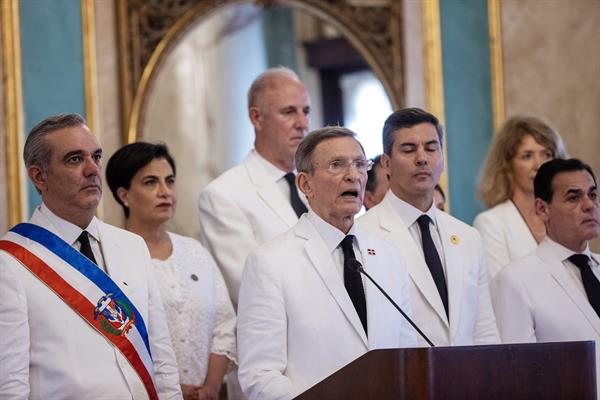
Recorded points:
(510, 227)
(201, 319)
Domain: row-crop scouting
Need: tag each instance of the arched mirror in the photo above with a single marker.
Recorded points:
(192, 94)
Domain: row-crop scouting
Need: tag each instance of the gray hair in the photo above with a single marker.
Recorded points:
(36, 151)
(262, 82)
(309, 144)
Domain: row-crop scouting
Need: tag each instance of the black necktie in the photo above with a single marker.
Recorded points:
(590, 282)
(297, 204)
(353, 281)
(432, 258)
(85, 248)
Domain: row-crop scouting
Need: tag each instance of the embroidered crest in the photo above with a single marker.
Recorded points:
(116, 316)
(371, 252)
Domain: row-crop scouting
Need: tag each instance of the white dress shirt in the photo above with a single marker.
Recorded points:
(409, 215)
(70, 232)
(332, 237)
(564, 253)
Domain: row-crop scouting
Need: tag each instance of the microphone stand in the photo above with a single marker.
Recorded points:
(357, 266)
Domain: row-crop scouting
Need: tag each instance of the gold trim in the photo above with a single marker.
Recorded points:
(13, 101)
(497, 67)
(137, 76)
(434, 74)
(90, 73)
(125, 74)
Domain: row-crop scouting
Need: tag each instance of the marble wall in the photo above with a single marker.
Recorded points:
(551, 69)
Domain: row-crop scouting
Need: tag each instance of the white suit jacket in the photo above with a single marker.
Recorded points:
(296, 322)
(536, 300)
(47, 351)
(471, 316)
(506, 237)
(240, 210)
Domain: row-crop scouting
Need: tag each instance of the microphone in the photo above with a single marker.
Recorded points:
(355, 265)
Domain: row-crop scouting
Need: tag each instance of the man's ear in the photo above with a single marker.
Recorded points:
(386, 162)
(38, 177)
(255, 117)
(541, 209)
(304, 184)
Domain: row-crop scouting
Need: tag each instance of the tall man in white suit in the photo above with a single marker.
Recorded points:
(251, 203)
(446, 263)
(303, 314)
(553, 293)
(52, 344)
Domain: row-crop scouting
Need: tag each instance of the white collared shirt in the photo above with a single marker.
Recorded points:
(278, 177)
(332, 238)
(70, 232)
(409, 215)
(563, 255)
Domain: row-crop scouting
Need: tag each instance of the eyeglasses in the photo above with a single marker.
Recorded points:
(337, 167)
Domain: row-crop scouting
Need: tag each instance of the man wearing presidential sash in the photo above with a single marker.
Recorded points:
(80, 315)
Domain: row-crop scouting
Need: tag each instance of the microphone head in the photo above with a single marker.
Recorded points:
(354, 265)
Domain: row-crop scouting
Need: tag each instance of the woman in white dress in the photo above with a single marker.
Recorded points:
(201, 318)
(510, 228)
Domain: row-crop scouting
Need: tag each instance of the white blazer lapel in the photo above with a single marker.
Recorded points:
(326, 269)
(561, 276)
(269, 191)
(118, 264)
(455, 270)
(417, 268)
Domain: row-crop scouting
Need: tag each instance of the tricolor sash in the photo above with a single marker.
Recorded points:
(88, 290)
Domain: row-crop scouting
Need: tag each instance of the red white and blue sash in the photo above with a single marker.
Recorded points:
(87, 290)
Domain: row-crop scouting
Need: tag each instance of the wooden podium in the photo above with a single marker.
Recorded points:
(565, 370)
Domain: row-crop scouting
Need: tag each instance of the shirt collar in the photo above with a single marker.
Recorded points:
(271, 170)
(68, 231)
(409, 213)
(562, 252)
(331, 235)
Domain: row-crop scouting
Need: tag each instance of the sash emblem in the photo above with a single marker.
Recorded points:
(116, 316)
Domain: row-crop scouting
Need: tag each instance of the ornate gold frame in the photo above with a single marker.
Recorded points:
(496, 62)
(90, 70)
(13, 100)
(373, 27)
(434, 74)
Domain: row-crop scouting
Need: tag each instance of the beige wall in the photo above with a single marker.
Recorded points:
(552, 69)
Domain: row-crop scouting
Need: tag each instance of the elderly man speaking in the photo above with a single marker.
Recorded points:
(302, 314)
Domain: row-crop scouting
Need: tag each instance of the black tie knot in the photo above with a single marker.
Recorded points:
(290, 177)
(580, 260)
(86, 248)
(346, 245)
(589, 280)
(424, 221)
(296, 202)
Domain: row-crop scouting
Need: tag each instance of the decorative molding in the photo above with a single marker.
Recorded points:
(90, 71)
(13, 100)
(496, 62)
(434, 74)
(149, 29)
